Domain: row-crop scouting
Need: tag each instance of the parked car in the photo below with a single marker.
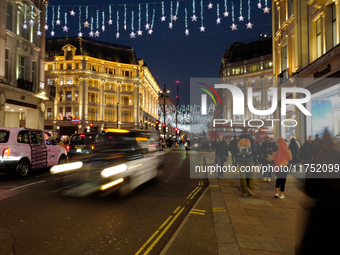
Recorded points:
(24, 149)
(123, 160)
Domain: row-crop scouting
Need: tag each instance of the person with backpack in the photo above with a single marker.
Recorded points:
(221, 153)
(246, 157)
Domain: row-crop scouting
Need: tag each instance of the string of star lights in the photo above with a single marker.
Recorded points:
(31, 22)
(104, 15)
(193, 17)
(38, 31)
(226, 13)
(163, 18)
(80, 34)
(249, 24)
(147, 25)
(110, 15)
(117, 34)
(52, 32)
(218, 20)
(132, 34)
(186, 21)
(171, 17)
(58, 16)
(175, 17)
(25, 18)
(240, 18)
(125, 17)
(65, 28)
(202, 28)
(152, 21)
(233, 26)
(139, 32)
(46, 18)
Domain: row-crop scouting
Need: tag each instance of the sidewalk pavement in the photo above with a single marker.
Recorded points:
(251, 225)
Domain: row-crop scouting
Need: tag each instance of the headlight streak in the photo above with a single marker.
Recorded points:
(113, 170)
(111, 184)
(66, 167)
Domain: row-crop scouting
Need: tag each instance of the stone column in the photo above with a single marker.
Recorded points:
(2, 38)
(119, 83)
(55, 105)
(101, 100)
(136, 104)
(86, 98)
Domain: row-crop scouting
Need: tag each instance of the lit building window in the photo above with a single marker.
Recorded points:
(318, 38)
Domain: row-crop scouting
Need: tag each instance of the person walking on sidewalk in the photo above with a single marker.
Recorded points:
(281, 159)
(221, 153)
(266, 150)
(234, 150)
(307, 153)
(246, 158)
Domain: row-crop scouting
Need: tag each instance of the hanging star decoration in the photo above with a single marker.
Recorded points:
(39, 32)
(249, 25)
(202, 29)
(65, 28)
(147, 26)
(132, 35)
(233, 27)
(46, 27)
(24, 26)
(266, 9)
(186, 32)
(110, 21)
(57, 22)
(210, 6)
(163, 18)
(80, 34)
(125, 26)
(218, 21)
(226, 14)
(97, 34)
(194, 18)
(31, 22)
(72, 13)
(117, 35)
(139, 32)
(52, 33)
(86, 24)
(150, 31)
(241, 18)
(259, 5)
(103, 28)
(91, 34)
(175, 17)
(170, 25)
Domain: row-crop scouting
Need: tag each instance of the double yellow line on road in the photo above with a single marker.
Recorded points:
(194, 192)
(165, 224)
(196, 211)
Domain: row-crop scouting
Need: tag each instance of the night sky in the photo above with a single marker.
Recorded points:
(169, 53)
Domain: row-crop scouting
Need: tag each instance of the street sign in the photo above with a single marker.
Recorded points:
(75, 120)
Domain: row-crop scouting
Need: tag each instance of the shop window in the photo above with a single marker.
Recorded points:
(68, 113)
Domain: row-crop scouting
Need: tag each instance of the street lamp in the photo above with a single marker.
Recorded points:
(164, 95)
(177, 104)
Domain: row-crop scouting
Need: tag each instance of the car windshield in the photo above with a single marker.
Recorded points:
(4, 135)
(83, 139)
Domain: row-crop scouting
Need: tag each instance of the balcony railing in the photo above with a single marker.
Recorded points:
(24, 84)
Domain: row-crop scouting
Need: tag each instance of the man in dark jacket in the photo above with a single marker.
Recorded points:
(266, 149)
(246, 158)
(221, 153)
(234, 150)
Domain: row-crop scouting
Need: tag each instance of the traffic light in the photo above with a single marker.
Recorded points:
(176, 130)
(91, 126)
(157, 124)
(164, 127)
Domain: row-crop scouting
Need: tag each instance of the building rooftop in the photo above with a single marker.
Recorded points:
(242, 51)
(92, 48)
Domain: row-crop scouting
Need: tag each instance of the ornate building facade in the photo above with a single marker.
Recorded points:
(97, 83)
(22, 53)
(306, 50)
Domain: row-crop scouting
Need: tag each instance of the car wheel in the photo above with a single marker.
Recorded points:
(22, 168)
(62, 159)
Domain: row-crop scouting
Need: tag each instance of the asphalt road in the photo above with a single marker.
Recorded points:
(36, 219)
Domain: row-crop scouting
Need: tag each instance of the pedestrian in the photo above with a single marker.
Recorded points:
(307, 154)
(234, 150)
(221, 153)
(294, 148)
(266, 150)
(246, 159)
(281, 159)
